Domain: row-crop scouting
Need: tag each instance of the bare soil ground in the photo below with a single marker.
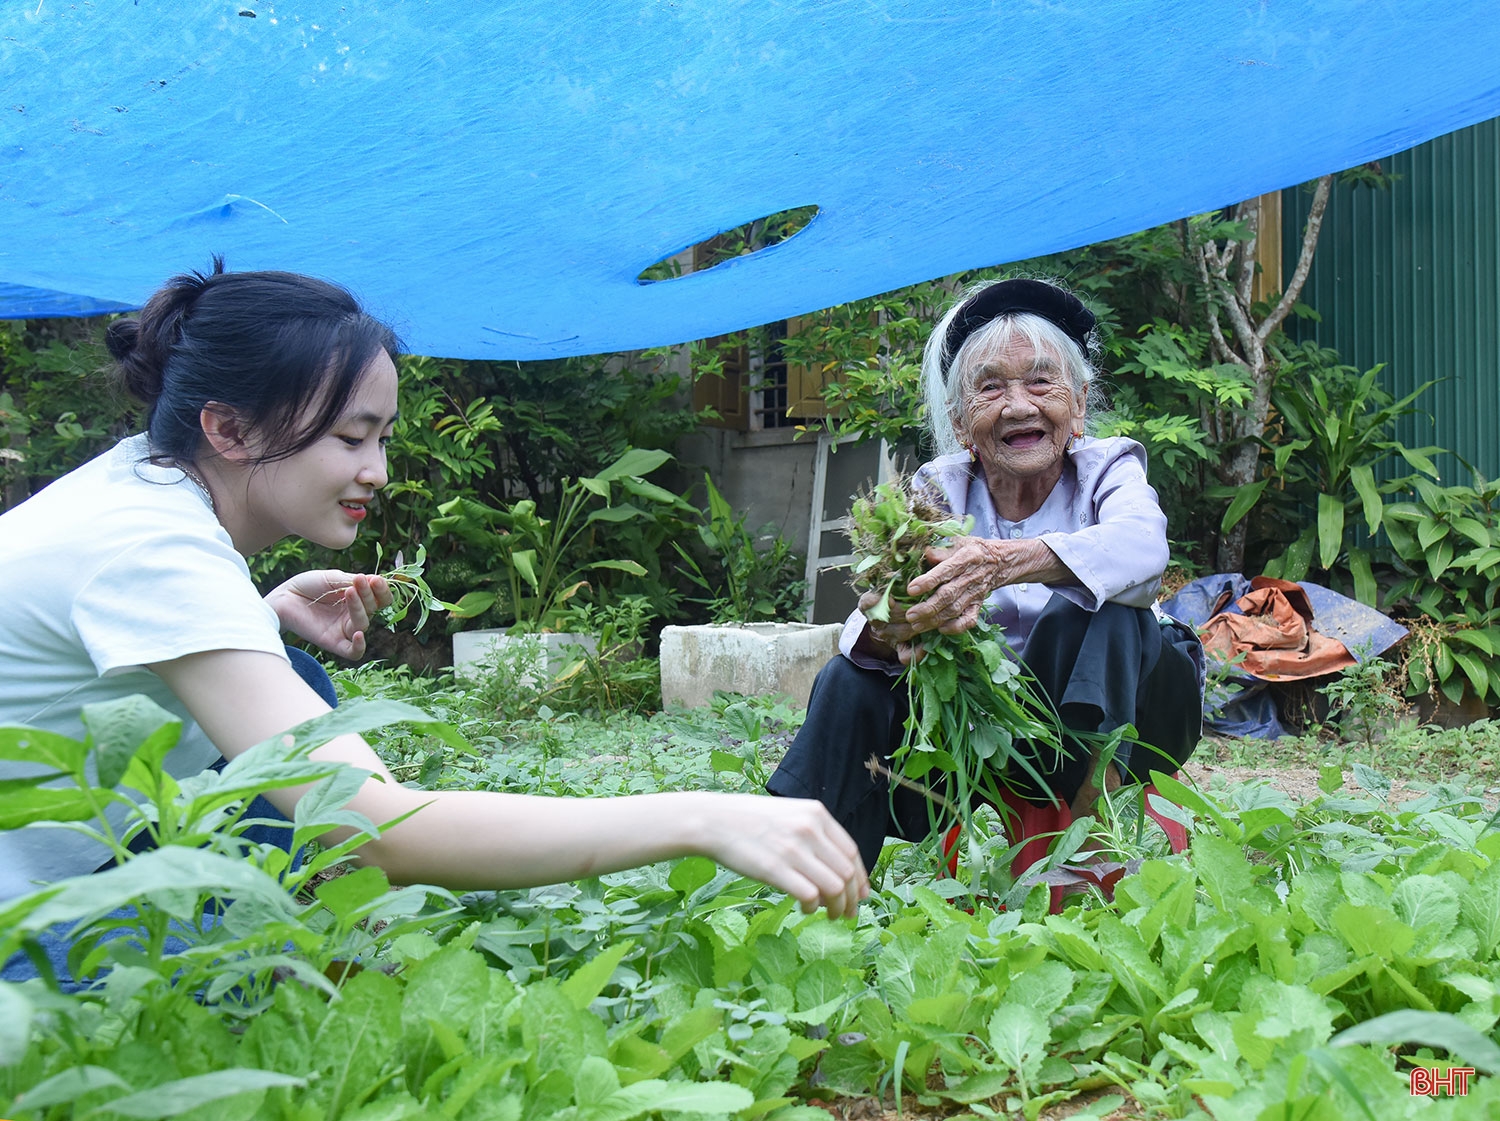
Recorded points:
(1299, 783)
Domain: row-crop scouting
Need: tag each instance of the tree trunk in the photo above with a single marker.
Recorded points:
(1227, 273)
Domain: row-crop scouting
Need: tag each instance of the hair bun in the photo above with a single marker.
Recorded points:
(142, 344)
(138, 374)
(121, 338)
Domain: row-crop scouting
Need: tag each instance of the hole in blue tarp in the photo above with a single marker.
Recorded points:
(751, 237)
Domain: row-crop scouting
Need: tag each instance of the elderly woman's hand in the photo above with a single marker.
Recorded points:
(952, 592)
(960, 579)
(884, 638)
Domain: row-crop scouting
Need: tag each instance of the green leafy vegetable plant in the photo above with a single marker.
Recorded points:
(1299, 961)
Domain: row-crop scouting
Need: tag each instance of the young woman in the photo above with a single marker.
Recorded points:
(270, 399)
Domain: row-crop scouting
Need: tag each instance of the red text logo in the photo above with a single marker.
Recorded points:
(1453, 1082)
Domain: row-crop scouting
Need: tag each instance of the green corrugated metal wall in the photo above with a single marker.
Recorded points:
(1410, 276)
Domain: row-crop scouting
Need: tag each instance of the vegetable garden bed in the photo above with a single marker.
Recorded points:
(1259, 973)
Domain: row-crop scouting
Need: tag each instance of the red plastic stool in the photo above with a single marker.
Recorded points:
(1034, 825)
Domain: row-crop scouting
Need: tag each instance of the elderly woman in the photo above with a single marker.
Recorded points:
(1065, 555)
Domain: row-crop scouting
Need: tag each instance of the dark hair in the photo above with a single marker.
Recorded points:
(267, 344)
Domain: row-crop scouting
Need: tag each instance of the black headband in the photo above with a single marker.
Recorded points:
(1059, 307)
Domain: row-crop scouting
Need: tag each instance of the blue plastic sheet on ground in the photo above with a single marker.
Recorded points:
(1244, 705)
(493, 177)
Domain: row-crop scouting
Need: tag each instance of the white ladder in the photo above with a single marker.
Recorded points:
(855, 467)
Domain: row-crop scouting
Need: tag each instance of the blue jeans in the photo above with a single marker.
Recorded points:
(55, 943)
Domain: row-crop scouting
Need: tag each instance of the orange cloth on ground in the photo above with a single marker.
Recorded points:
(1275, 634)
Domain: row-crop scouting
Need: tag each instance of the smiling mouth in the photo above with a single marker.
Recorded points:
(355, 510)
(1023, 439)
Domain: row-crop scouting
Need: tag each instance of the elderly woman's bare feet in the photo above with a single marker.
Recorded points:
(1087, 798)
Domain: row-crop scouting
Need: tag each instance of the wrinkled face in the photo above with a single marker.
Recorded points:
(1019, 412)
(323, 492)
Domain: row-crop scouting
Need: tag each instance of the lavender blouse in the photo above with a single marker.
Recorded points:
(1102, 519)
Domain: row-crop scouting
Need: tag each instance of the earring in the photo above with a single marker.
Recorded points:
(968, 447)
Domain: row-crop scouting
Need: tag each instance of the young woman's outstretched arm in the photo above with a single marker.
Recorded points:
(481, 840)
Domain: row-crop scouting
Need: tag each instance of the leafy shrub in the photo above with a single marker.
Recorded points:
(1336, 437)
(616, 676)
(745, 583)
(58, 407)
(1447, 547)
(541, 563)
(493, 433)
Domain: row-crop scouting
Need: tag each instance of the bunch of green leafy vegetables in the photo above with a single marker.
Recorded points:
(976, 715)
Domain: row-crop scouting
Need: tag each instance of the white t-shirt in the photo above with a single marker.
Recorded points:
(115, 566)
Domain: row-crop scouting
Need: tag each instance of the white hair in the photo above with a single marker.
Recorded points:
(945, 395)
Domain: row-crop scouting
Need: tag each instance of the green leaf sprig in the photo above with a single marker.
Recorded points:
(408, 589)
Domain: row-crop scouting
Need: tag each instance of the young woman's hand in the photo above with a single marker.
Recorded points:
(331, 609)
(792, 844)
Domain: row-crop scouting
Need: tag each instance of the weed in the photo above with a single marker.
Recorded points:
(1364, 700)
(615, 676)
(746, 583)
(408, 589)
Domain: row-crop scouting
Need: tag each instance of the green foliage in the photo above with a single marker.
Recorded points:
(615, 676)
(1447, 546)
(232, 901)
(540, 563)
(1335, 438)
(57, 406)
(1363, 701)
(1166, 385)
(745, 584)
(1272, 969)
(868, 354)
(737, 242)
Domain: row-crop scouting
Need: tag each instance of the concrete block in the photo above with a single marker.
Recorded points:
(748, 658)
(474, 651)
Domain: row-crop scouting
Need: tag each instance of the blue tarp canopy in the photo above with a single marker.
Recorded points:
(493, 177)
